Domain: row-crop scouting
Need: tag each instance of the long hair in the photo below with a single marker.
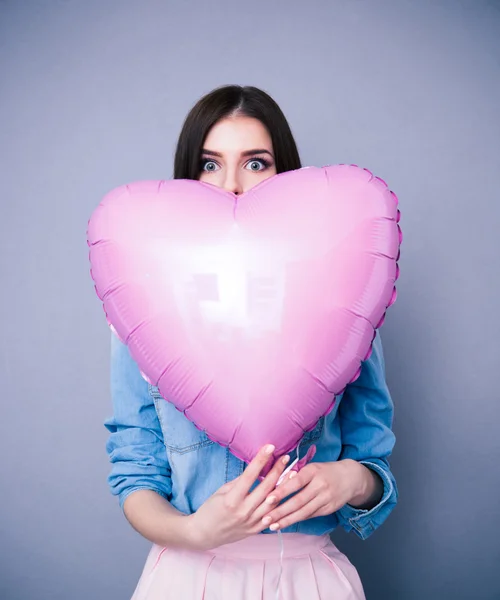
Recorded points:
(233, 100)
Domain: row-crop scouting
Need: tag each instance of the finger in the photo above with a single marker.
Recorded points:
(257, 497)
(250, 474)
(308, 494)
(306, 511)
(227, 487)
(277, 494)
(291, 484)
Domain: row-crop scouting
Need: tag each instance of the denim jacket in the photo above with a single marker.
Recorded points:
(154, 446)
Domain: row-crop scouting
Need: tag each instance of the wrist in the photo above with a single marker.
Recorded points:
(192, 533)
(368, 487)
(358, 481)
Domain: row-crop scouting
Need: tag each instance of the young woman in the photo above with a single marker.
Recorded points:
(212, 524)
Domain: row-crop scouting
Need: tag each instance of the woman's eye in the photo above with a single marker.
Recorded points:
(209, 165)
(257, 165)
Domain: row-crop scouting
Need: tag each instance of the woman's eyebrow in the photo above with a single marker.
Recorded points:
(256, 151)
(246, 153)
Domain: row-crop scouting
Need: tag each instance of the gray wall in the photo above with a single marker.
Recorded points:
(93, 94)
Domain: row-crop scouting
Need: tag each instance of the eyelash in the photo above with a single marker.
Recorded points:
(266, 163)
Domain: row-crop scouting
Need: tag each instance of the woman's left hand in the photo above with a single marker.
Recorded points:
(325, 487)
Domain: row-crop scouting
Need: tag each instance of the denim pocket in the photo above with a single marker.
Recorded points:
(179, 433)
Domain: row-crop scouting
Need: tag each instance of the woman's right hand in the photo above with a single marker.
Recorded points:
(233, 512)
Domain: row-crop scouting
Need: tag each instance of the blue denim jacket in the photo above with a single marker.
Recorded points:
(154, 446)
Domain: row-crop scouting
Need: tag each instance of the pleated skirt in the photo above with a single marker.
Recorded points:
(311, 568)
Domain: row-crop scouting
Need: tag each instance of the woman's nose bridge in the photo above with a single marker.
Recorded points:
(232, 181)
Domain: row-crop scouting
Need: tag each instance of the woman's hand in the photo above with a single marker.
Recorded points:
(322, 489)
(232, 513)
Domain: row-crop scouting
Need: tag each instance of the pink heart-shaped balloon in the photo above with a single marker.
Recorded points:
(251, 312)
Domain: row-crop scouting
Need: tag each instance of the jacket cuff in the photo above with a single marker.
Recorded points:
(364, 522)
(126, 493)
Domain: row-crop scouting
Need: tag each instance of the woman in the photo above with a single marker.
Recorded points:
(211, 523)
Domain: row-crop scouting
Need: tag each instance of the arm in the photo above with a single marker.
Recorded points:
(366, 413)
(158, 521)
(140, 474)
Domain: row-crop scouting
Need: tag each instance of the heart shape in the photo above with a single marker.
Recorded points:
(252, 312)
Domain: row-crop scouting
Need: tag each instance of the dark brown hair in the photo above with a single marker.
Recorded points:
(232, 100)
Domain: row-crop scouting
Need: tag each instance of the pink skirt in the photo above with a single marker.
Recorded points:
(312, 568)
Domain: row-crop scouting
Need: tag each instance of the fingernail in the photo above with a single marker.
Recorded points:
(285, 459)
(271, 499)
(266, 520)
(274, 526)
(270, 449)
(292, 474)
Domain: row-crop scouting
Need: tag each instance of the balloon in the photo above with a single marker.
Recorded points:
(250, 313)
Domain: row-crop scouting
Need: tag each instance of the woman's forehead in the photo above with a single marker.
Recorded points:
(237, 135)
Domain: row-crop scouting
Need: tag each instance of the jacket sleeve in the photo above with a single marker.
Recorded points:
(366, 413)
(135, 444)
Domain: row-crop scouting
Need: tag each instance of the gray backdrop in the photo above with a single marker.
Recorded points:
(93, 94)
